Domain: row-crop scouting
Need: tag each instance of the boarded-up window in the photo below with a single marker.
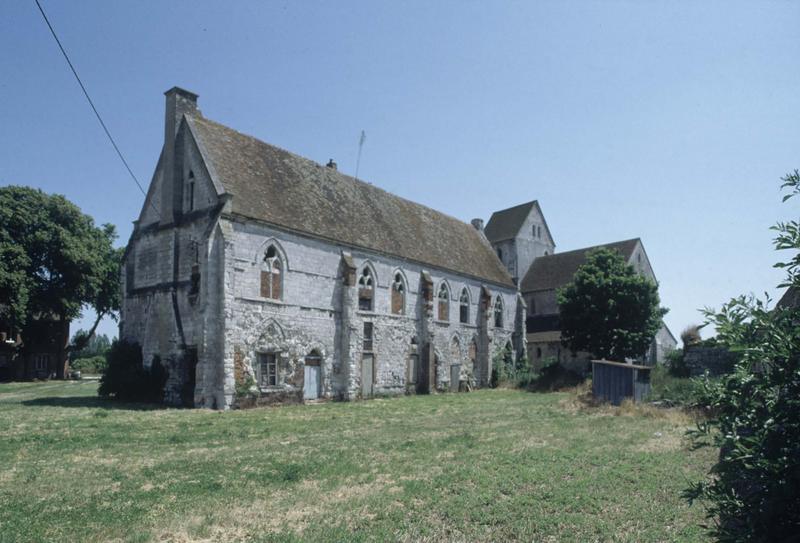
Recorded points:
(269, 369)
(272, 275)
(366, 290)
(444, 302)
(463, 307)
(398, 295)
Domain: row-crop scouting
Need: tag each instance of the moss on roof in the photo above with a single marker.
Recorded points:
(270, 184)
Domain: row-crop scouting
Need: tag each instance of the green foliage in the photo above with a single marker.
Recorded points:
(53, 259)
(504, 370)
(244, 388)
(93, 365)
(676, 364)
(553, 376)
(125, 377)
(92, 345)
(754, 493)
(671, 389)
(608, 309)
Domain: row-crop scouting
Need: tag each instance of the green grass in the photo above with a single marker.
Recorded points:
(488, 465)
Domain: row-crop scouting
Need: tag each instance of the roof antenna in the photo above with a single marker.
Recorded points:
(361, 141)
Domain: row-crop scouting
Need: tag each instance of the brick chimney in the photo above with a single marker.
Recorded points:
(180, 102)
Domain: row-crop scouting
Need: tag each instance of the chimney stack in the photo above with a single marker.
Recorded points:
(180, 102)
(478, 224)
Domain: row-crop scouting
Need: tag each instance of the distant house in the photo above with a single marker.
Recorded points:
(42, 355)
(790, 299)
(525, 245)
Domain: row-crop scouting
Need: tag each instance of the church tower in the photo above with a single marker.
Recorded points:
(519, 235)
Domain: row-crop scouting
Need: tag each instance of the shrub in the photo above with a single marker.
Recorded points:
(125, 377)
(676, 364)
(666, 387)
(92, 365)
(553, 376)
(754, 491)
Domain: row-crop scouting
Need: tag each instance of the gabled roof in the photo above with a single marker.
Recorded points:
(790, 299)
(506, 223)
(272, 185)
(556, 270)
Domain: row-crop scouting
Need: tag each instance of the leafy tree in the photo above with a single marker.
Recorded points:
(754, 490)
(608, 309)
(54, 260)
(93, 345)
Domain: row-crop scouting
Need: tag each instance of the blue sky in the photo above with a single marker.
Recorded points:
(669, 121)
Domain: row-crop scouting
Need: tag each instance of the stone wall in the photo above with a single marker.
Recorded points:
(319, 312)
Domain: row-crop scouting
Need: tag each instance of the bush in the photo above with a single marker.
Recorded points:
(553, 376)
(676, 365)
(754, 490)
(92, 365)
(125, 377)
(666, 387)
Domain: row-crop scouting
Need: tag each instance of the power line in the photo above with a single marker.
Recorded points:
(88, 98)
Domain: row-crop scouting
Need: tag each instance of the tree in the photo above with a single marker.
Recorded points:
(93, 345)
(53, 260)
(609, 310)
(754, 489)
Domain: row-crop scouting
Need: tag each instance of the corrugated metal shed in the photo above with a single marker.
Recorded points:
(614, 381)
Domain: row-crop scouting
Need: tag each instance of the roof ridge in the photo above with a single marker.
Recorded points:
(590, 247)
(336, 172)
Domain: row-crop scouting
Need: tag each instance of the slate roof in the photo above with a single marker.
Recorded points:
(790, 299)
(505, 224)
(556, 270)
(286, 190)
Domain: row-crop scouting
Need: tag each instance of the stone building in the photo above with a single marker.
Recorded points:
(41, 355)
(523, 242)
(251, 267)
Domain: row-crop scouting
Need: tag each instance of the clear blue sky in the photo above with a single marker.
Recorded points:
(669, 121)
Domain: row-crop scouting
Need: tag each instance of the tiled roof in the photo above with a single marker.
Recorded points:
(286, 190)
(554, 271)
(505, 224)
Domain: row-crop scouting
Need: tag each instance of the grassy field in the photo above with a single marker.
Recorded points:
(488, 465)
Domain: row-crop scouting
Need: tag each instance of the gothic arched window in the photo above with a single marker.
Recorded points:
(444, 302)
(498, 312)
(463, 306)
(366, 290)
(398, 295)
(272, 275)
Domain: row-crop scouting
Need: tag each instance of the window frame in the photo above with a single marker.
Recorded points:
(272, 274)
(443, 302)
(366, 290)
(498, 311)
(368, 337)
(463, 306)
(398, 290)
(268, 369)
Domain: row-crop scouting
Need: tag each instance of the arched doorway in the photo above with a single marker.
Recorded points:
(312, 376)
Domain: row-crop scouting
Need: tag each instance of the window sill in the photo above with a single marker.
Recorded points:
(261, 300)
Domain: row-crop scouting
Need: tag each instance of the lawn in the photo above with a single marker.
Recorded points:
(487, 465)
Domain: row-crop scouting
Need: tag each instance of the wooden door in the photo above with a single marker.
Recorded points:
(311, 382)
(367, 373)
(455, 376)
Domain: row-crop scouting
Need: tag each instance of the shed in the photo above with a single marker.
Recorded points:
(614, 381)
